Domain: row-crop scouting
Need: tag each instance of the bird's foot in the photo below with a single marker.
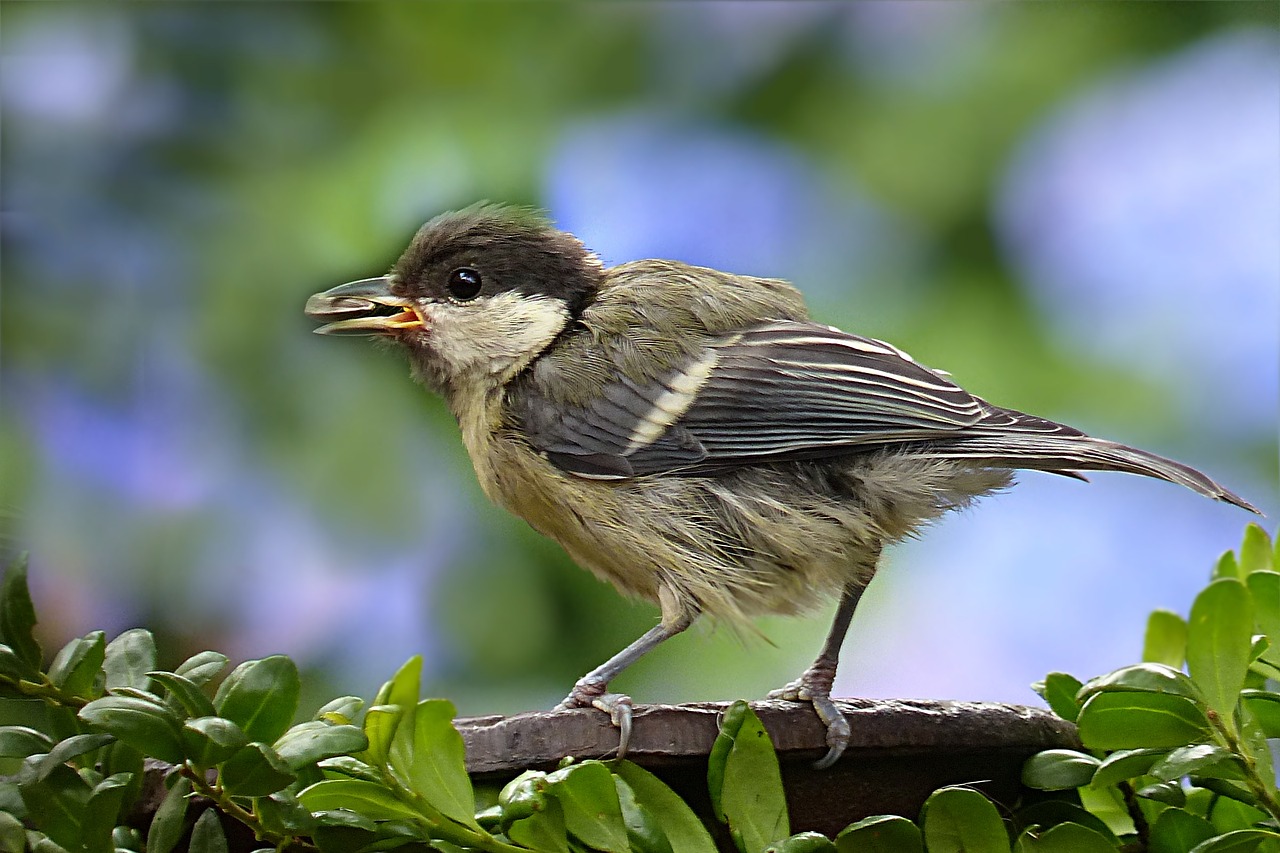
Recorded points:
(814, 687)
(591, 694)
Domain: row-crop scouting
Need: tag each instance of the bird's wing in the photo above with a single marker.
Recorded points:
(780, 391)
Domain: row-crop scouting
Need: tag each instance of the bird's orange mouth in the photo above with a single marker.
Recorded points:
(365, 307)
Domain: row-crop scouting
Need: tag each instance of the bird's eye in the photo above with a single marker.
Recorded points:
(464, 283)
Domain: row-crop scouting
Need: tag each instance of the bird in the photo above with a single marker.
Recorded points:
(691, 436)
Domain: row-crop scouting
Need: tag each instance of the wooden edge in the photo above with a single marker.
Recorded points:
(665, 733)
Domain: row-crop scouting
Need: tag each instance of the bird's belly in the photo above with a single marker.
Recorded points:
(722, 545)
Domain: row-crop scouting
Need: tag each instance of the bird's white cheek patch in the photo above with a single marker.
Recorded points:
(498, 334)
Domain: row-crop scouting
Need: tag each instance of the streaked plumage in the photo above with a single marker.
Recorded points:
(690, 435)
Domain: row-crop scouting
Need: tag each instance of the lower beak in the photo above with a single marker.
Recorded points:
(365, 307)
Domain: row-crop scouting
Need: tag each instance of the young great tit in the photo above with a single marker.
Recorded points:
(691, 436)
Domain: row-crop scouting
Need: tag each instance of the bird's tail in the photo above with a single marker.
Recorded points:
(1066, 454)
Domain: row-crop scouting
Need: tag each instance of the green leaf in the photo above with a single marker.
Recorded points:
(1059, 690)
(340, 711)
(1228, 790)
(380, 725)
(209, 741)
(11, 668)
(1218, 640)
(880, 834)
(185, 693)
(1264, 669)
(717, 760)
(437, 762)
(103, 813)
(1178, 831)
(1064, 838)
(523, 796)
(1255, 551)
(282, 813)
(55, 803)
(341, 831)
(1125, 764)
(72, 747)
(592, 812)
(352, 767)
(369, 799)
(1058, 769)
(200, 668)
(543, 831)
(961, 820)
(1228, 813)
(125, 838)
(261, 697)
(1227, 567)
(13, 835)
(122, 760)
(1201, 759)
(1165, 641)
(402, 691)
(46, 845)
(76, 666)
(1046, 813)
(683, 829)
(255, 771)
(207, 835)
(1169, 793)
(1142, 678)
(751, 794)
(1254, 740)
(166, 826)
(1138, 720)
(309, 742)
(1236, 841)
(1260, 647)
(129, 657)
(803, 842)
(21, 741)
(144, 724)
(344, 818)
(1264, 589)
(644, 827)
(18, 618)
(1108, 806)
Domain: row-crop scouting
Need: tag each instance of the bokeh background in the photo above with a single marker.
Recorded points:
(1074, 208)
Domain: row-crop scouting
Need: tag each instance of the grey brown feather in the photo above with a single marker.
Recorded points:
(791, 390)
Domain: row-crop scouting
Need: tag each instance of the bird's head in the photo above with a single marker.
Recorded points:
(479, 293)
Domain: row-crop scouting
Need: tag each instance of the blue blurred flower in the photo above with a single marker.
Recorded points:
(1146, 216)
(153, 489)
(1054, 575)
(643, 185)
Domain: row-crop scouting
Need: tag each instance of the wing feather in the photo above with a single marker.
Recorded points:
(782, 390)
(796, 390)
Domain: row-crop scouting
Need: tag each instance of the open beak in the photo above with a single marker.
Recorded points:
(365, 307)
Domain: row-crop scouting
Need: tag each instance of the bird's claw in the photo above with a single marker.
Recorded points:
(818, 694)
(795, 691)
(617, 705)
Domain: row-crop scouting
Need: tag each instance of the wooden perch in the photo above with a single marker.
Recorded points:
(901, 750)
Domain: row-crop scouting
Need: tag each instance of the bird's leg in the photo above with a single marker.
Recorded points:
(814, 685)
(591, 689)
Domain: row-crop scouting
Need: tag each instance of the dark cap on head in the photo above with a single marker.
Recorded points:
(514, 249)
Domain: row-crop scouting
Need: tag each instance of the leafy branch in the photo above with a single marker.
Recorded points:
(1176, 757)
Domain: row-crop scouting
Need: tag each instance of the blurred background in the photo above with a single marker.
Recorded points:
(1074, 208)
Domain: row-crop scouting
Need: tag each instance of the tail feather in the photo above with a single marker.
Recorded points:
(1063, 454)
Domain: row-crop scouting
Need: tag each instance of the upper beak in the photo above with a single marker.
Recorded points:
(365, 307)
